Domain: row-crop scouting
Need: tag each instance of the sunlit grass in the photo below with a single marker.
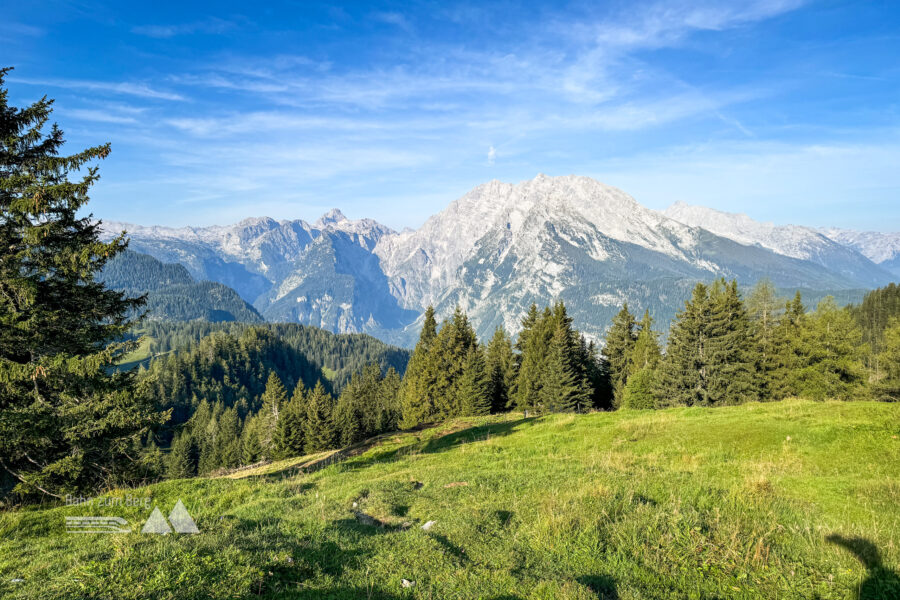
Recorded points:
(693, 503)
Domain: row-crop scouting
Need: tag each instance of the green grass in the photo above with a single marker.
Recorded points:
(733, 502)
(138, 355)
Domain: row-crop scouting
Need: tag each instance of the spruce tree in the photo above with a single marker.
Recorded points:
(500, 364)
(559, 390)
(618, 349)
(832, 353)
(684, 370)
(289, 438)
(534, 344)
(887, 386)
(230, 439)
(416, 401)
(763, 309)
(641, 390)
(783, 379)
(646, 353)
(348, 414)
(273, 401)
(182, 459)
(318, 430)
(68, 417)
(472, 390)
(389, 401)
(730, 353)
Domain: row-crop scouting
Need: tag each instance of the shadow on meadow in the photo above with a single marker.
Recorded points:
(881, 583)
(439, 443)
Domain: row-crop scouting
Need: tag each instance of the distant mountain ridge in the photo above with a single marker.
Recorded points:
(496, 250)
(172, 294)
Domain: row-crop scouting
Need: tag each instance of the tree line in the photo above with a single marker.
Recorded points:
(723, 350)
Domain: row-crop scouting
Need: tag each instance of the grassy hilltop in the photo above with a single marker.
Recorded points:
(753, 501)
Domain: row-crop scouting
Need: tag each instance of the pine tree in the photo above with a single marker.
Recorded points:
(289, 439)
(417, 403)
(646, 353)
(763, 309)
(67, 417)
(472, 390)
(684, 370)
(182, 459)
(887, 386)
(730, 358)
(533, 344)
(559, 390)
(783, 379)
(500, 364)
(641, 390)
(832, 354)
(618, 349)
(318, 430)
(273, 400)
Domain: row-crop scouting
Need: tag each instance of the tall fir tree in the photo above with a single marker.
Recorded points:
(500, 364)
(684, 371)
(289, 436)
(887, 385)
(646, 352)
(417, 405)
(273, 400)
(832, 353)
(618, 349)
(730, 357)
(318, 429)
(472, 390)
(782, 381)
(559, 390)
(533, 344)
(68, 417)
(764, 310)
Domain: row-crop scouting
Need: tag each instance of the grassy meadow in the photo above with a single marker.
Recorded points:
(779, 500)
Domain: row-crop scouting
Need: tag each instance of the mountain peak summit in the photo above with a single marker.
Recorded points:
(332, 216)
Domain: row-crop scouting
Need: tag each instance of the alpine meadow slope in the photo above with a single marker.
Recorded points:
(792, 499)
(496, 250)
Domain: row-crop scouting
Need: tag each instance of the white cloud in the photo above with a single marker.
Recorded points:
(211, 26)
(127, 88)
(491, 155)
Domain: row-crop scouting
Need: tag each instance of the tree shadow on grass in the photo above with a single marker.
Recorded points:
(441, 443)
(478, 433)
(881, 582)
(603, 586)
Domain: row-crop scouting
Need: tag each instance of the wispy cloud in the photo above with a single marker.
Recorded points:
(393, 18)
(141, 90)
(211, 26)
(99, 116)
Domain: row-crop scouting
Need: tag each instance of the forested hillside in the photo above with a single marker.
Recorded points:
(172, 294)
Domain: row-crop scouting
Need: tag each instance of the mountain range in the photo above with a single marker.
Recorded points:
(501, 247)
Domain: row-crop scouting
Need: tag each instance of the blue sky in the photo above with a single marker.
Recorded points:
(784, 109)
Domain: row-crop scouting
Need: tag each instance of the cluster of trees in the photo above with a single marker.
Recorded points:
(340, 355)
(551, 368)
(723, 349)
(308, 421)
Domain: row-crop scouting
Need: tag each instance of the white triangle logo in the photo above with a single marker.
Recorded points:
(156, 523)
(180, 519)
